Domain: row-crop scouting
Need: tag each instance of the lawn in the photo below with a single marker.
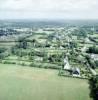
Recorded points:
(29, 83)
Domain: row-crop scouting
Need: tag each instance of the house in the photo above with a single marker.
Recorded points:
(76, 72)
(66, 64)
(94, 56)
(61, 47)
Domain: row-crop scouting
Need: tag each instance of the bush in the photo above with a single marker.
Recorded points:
(50, 66)
(23, 64)
(7, 62)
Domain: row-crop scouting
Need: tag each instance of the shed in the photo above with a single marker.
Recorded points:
(76, 72)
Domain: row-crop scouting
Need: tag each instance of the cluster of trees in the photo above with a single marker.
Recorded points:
(36, 53)
(55, 58)
(2, 52)
(73, 44)
(93, 81)
(8, 32)
(46, 57)
(90, 62)
(80, 33)
(22, 43)
(92, 49)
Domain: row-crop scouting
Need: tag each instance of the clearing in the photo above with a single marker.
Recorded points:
(29, 83)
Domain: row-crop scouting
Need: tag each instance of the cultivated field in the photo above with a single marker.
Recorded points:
(27, 83)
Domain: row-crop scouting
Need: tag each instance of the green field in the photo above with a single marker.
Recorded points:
(27, 83)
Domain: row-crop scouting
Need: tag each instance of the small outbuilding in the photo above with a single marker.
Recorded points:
(76, 72)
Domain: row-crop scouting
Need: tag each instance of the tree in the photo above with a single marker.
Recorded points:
(93, 81)
(22, 44)
(13, 50)
(1, 56)
(34, 42)
(2, 52)
(2, 49)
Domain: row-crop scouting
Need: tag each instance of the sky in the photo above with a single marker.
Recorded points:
(48, 9)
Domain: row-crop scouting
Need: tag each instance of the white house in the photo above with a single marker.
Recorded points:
(66, 64)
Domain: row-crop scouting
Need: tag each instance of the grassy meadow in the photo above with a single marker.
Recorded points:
(27, 83)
